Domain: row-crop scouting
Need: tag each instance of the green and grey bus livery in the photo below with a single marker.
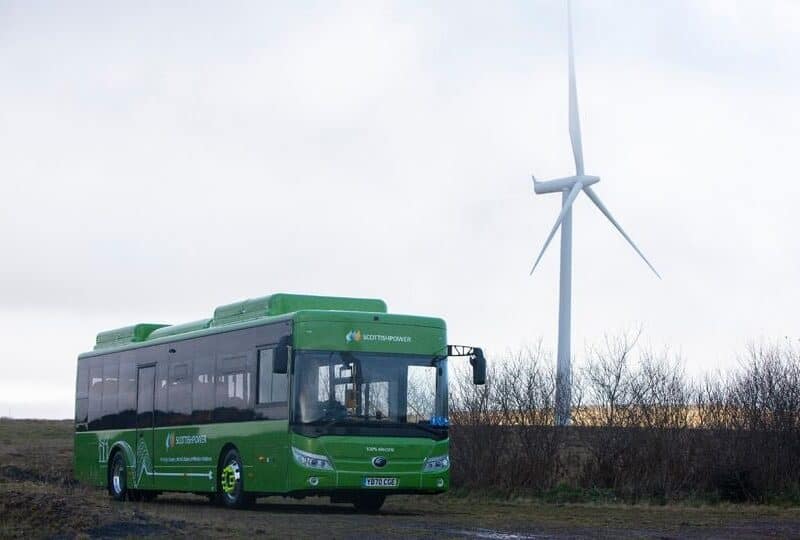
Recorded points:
(288, 394)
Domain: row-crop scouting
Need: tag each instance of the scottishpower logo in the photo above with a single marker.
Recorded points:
(353, 335)
(357, 336)
(181, 440)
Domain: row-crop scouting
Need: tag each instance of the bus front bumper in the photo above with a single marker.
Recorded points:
(325, 481)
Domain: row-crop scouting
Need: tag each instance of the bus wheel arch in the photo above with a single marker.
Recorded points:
(227, 447)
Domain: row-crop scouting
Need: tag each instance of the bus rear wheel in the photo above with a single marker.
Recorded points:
(231, 482)
(369, 504)
(117, 477)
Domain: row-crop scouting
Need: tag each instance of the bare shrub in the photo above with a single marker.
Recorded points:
(658, 417)
(641, 429)
(608, 380)
(476, 443)
(506, 425)
(525, 393)
(754, 415)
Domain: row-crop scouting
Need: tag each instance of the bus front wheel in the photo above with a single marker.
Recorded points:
(231, 481)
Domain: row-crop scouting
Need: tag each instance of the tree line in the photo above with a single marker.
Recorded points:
(641, 429)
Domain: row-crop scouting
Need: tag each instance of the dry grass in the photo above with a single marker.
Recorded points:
(39, 497)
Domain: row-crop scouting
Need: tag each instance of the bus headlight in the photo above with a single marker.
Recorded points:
(311, 461)
(436, 464)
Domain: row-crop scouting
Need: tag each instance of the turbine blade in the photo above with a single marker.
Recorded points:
(596, 200)
(574, 117)
(564, 209)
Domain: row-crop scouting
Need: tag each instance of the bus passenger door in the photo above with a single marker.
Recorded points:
(143, 473)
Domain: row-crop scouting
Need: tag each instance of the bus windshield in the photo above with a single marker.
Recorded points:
(369, 388)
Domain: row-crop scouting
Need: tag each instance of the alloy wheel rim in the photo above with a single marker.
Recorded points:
(116, 477)
(231, 480)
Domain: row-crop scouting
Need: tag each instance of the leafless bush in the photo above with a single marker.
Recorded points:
(476, 444)
(506, 425)
(641, 427)
(634, 422)
(754, 414)
(525, 392)
(609, 380)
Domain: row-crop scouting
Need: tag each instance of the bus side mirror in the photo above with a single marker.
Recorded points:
(478, 363)
(280, 360)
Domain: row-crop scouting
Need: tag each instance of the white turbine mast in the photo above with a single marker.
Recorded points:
(570, 187)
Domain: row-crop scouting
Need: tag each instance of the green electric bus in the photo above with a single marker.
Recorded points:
(288, 394)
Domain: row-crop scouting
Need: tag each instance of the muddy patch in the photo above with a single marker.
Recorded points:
(134, 529)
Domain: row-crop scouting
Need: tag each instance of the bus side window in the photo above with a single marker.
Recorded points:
(203, 390)
(179, 395)
(82, 387)
(233, 380)
(110, 391)
(265, 357)
(126, 417)
(82, 396)
(272, 387)
(95, 394)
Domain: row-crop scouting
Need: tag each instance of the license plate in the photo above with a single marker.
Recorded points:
(380, 482)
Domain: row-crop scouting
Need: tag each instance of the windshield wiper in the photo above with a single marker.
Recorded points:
(324, 423)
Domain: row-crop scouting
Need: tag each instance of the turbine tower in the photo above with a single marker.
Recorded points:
(570, 187)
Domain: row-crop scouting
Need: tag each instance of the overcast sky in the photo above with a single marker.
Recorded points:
(159, 160)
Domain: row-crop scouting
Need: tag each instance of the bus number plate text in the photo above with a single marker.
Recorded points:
(380, 482)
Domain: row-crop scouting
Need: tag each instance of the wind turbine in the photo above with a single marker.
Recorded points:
(570, 187)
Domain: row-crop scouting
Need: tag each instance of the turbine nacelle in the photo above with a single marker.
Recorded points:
(562, 184)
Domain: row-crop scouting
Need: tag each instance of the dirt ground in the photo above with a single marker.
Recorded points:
(38, 498)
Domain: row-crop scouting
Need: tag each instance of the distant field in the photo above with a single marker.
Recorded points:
(38, 498)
